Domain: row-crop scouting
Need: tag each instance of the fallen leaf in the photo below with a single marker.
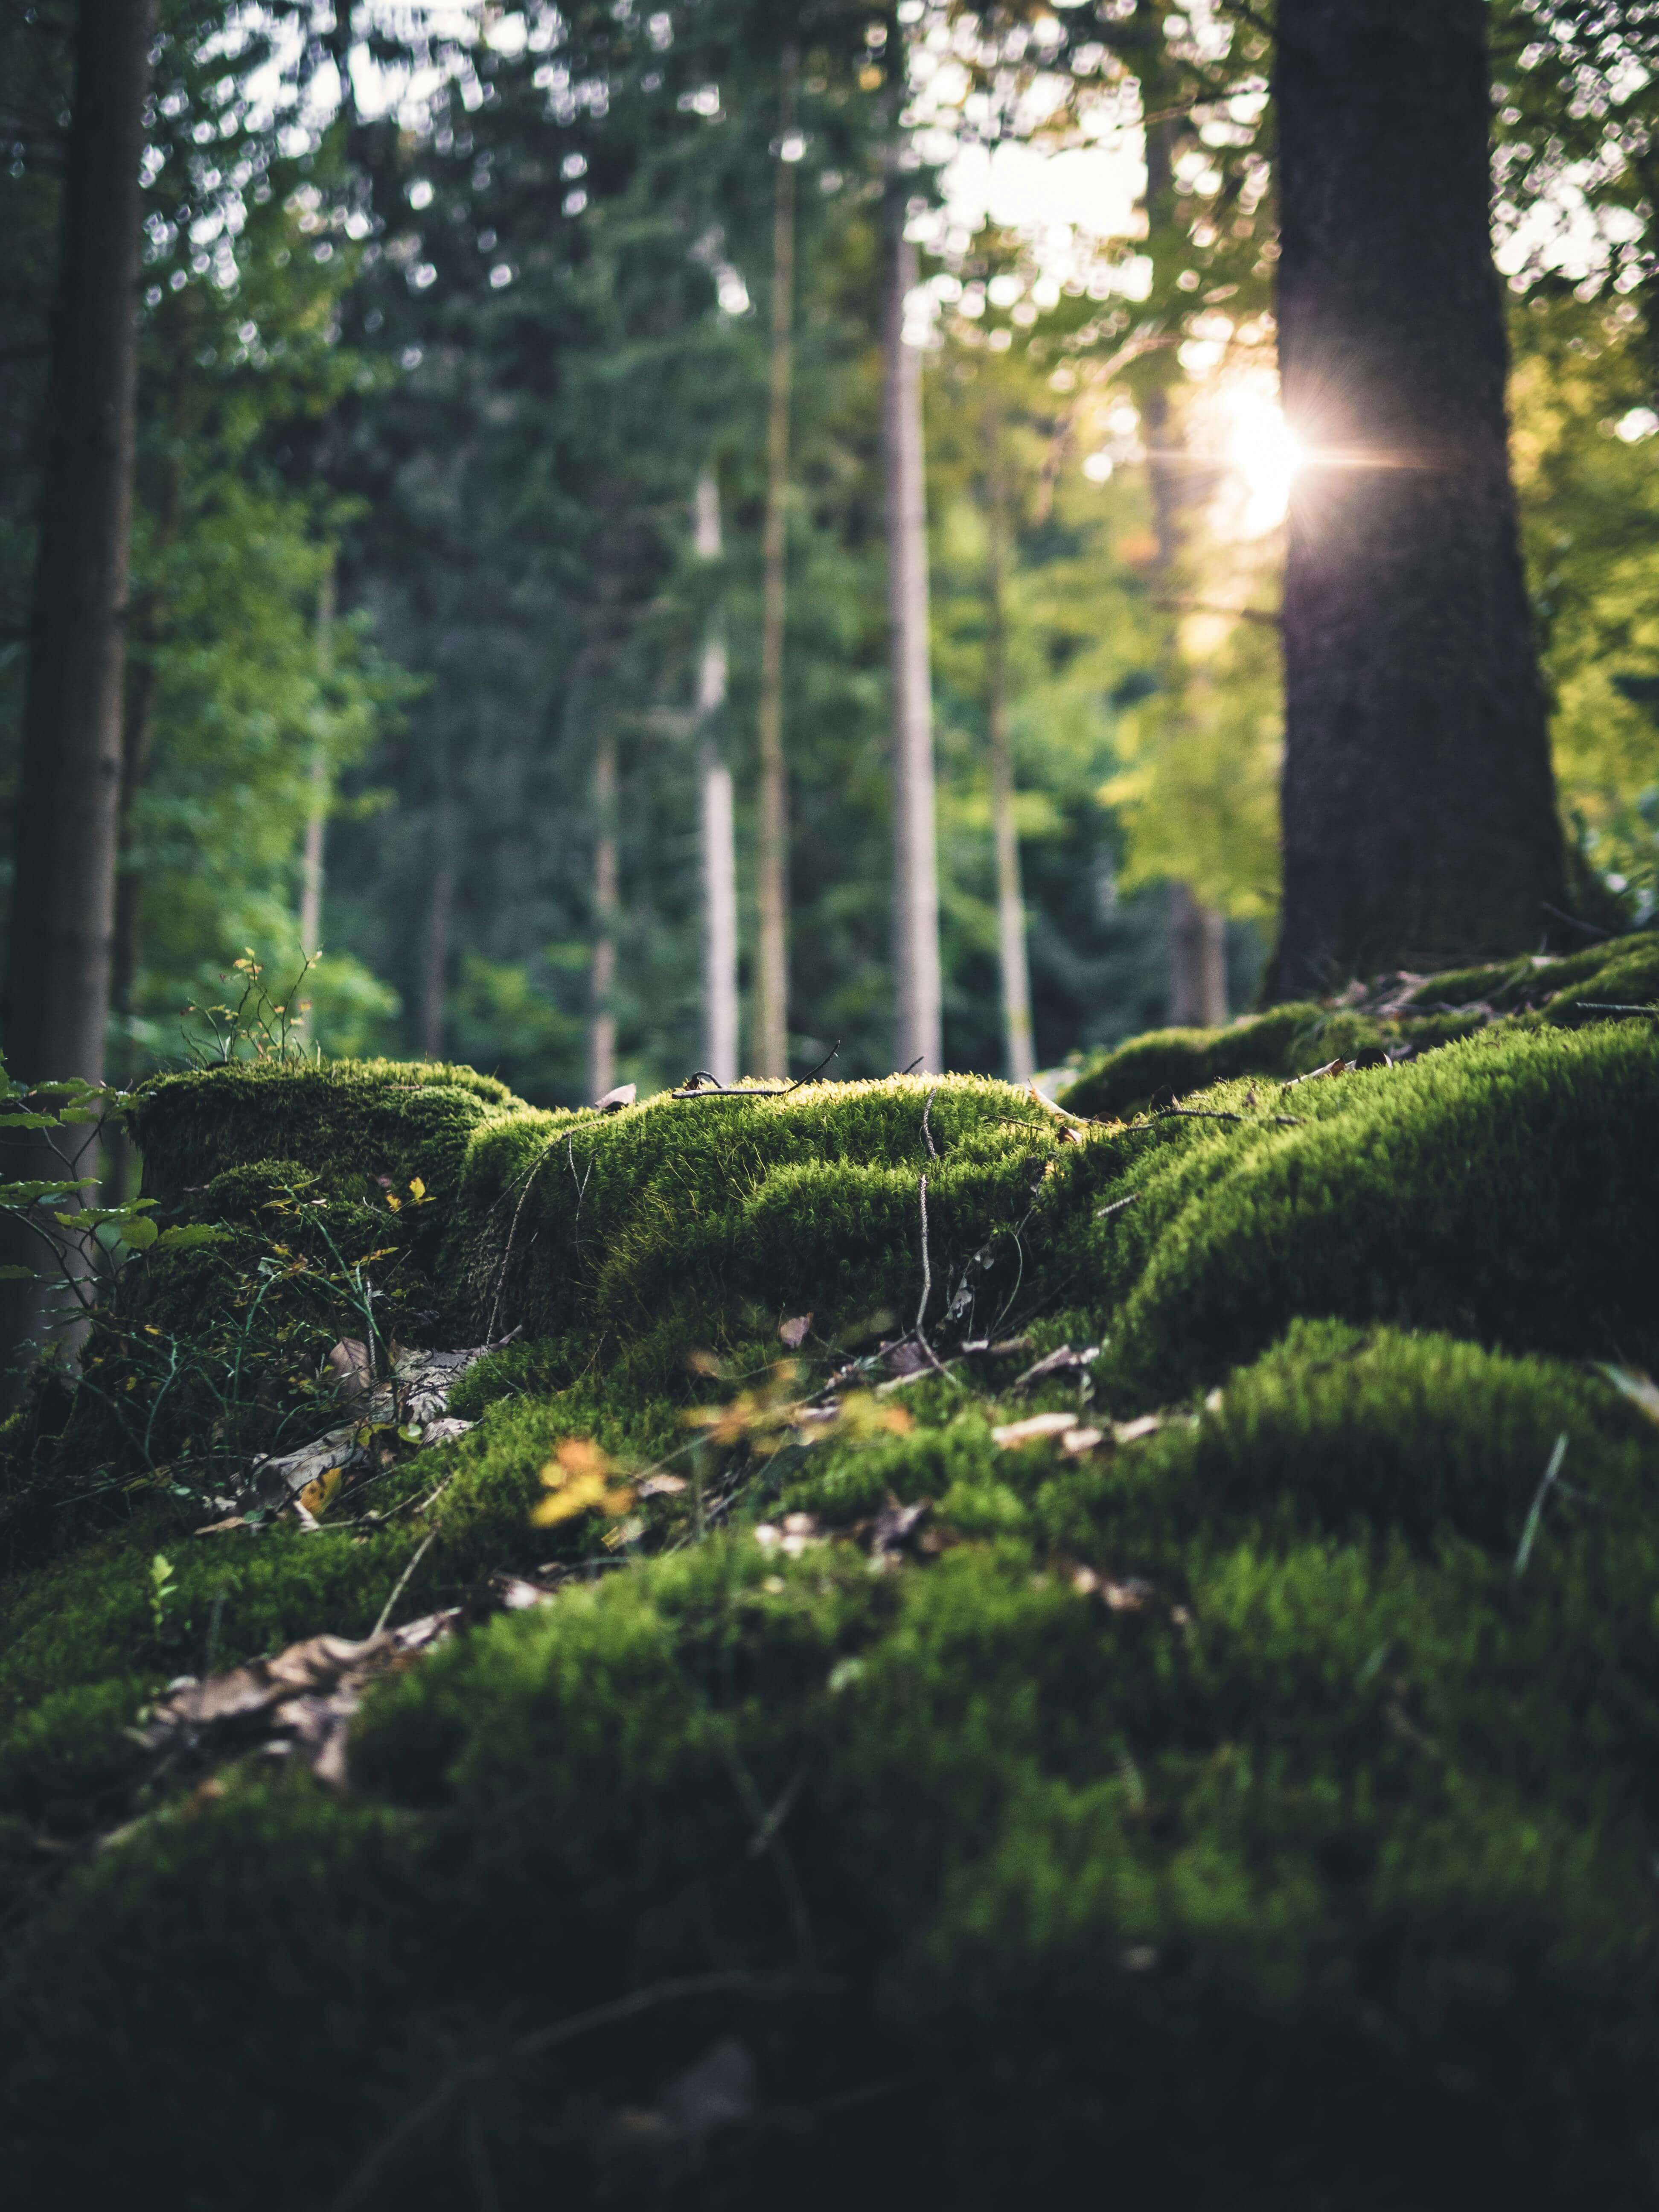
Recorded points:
(1132, 1596)
(1076, 1442)
(1640, 1390)
(1130, 1432)
(320, 1493)
(793, 1332)
(896, 1525)
(231, 1521)
(348, 1369)
(1013, 1434)
(614, 1101)
(662, 1486)
(718, 2091)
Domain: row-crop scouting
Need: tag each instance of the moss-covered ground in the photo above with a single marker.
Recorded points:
(1248, 1794)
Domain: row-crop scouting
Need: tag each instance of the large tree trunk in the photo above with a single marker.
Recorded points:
(717, 834)
(1419, 821)
(915, 868)
(63, 907)
(1017, 1052)
(771, 856)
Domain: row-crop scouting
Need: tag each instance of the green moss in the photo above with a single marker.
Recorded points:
(1237, 1812)
(1402, 1017)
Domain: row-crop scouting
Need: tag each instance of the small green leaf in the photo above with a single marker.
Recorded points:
(187, 1235)
(9, 1275)
(138, 1236)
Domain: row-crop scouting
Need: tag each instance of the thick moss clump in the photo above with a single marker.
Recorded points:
(1402, 1017)
(356, 1117)
(1255, 1802)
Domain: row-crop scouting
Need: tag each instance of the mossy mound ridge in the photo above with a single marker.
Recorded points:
(1260, 1807)
(1402, 1016)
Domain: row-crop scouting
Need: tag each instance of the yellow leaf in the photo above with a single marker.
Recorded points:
(319, 1494)
(576, 1458)
(417, 1188)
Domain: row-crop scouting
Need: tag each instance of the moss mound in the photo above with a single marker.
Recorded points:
(1402, 1016)
(1240, 1783)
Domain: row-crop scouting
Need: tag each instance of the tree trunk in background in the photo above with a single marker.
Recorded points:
(310, 862)
(771, 857)
(1198, 962)
(602, 1019)
(1019, 1053)
(1419, 821)
(439, 910)
(1198, 975)
(717, 835)
(915, 868)
(63, 907)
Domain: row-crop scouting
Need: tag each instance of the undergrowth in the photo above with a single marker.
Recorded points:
(1243, 1788)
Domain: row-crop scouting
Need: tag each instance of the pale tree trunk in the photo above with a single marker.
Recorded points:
(1018, 1053)
(310, 863)
(771, 857)
(1198, 962)
(63, 909)
(602, 975)
(915, 868)
(440, 911)
(1198, 932)
(718, 837)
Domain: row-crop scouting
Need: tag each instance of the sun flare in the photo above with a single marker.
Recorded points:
(1261, 448)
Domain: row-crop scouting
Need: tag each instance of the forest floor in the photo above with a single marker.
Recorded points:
(929, 1636)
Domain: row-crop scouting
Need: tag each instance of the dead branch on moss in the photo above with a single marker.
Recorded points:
(712, 1089)
(926, 1133)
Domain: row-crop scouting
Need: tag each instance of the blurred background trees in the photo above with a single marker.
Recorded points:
(428, 379)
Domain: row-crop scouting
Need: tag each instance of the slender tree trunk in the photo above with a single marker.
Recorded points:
(602, 1018)
(718, 837)
(1198, 973)
(1419, 821)
(63, 907)
(136, 722)
(1198, 962)
(771, 858)
(311, 859)
(440, 914)
(1019, 1053)
(915, 866)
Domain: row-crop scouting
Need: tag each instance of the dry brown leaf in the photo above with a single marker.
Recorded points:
(793, 1332)
(1130, 1432)
(614, 1101)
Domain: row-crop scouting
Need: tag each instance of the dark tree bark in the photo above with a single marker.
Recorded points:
(1419, 821)
(57, 982)
(63, 907)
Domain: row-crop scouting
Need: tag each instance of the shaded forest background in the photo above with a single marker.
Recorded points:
(428, 376)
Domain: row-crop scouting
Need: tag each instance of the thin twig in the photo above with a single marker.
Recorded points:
(1049, 1107)
(753, 1091)
(1530, 1533)
(513, 1230)
(403, 1581)
(1105, 1212)
(926, 1263)
(1599, 1007)
(926, 1133)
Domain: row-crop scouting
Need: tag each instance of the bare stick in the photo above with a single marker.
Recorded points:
(402, 1582)
(1528, 1534)
(926, 1133)
(1207, 1114)
(926, 1263)
(753, 1091)
(1105, 1212)
(513, 1230)
(1049, 1107)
